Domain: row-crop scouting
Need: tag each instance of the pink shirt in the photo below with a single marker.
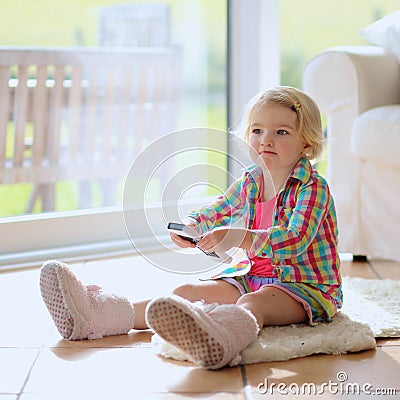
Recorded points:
(261, 266)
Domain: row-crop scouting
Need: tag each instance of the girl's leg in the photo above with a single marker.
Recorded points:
(213, 335)
(211, 291)
(82, 311)
(216, 291)
(140, 311)
(272, 306)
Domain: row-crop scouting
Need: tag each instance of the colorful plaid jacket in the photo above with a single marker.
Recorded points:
(302, 243)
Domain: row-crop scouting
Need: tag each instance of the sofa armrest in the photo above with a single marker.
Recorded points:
(360, 76)
(345, 82)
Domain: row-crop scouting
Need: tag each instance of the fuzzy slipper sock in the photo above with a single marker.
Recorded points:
(212, 335)
(82, 312)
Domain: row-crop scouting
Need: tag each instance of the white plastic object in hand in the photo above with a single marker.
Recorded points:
(192, 235)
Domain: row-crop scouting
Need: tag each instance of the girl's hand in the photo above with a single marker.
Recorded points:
(224, 239)
(180, 241)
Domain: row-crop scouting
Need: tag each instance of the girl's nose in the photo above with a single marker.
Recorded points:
(266, 138)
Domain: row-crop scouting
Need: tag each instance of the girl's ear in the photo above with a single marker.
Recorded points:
(305, 149)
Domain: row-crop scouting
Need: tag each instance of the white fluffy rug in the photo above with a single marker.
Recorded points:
(372, 308)
(374, 302)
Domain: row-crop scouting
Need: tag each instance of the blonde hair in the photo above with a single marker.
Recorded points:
(308, 123)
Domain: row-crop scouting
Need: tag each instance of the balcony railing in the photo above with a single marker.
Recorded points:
(82, 114)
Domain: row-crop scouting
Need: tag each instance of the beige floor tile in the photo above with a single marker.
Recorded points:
(125, 366)
(192, 396)
(388, 342)
(117, 372)
(133, 339)
(379, 368)
(386, 269)
(394, 353)
(357, 269)
(23, 317)
(23, 313)
(14, 368)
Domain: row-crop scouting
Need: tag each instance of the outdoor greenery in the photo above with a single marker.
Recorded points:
(306, 27)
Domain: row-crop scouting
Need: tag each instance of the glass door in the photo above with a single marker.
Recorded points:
(88, 85)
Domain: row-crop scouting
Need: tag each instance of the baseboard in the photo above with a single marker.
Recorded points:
(81, 253)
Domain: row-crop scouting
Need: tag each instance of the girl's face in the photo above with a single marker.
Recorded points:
(273, 138)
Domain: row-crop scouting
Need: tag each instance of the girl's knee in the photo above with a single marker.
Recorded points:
(272, 306)
(245, 298)
(187, 291)
(210, 292)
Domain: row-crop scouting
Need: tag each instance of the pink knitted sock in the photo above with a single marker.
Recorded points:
(82, 312)
(212, 335)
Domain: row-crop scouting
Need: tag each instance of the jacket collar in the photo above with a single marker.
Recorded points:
(301, 171)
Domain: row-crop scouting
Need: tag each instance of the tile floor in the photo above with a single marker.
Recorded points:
(36, 364)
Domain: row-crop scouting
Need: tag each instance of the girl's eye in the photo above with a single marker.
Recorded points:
(282, 132)
(257, 131)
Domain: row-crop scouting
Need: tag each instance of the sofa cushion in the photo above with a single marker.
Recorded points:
(376, 135)
(385, 33)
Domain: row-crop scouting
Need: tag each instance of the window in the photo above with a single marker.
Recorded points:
(198, 33)
(102, 83)
(116, 78)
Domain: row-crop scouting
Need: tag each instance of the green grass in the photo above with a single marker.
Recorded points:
(13, 199)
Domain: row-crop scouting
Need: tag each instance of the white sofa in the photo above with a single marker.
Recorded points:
(358, 89)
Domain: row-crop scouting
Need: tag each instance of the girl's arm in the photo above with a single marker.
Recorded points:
(293, 234)
(226, 238)
(227, 209)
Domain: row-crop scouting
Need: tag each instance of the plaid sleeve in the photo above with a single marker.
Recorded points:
(297, 226)
(227, 208)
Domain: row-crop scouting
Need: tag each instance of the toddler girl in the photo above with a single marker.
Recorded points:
(290, 237)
